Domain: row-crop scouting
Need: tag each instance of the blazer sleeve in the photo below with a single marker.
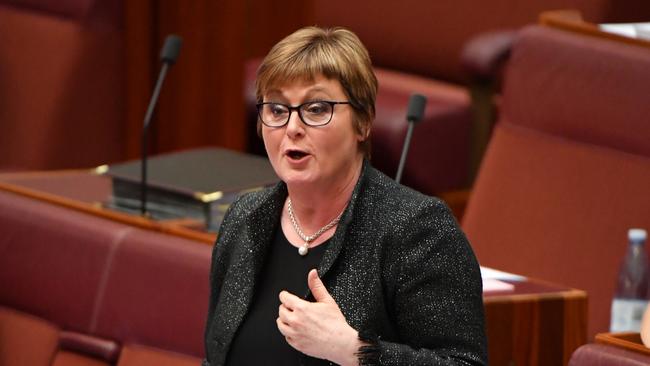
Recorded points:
(438, 303)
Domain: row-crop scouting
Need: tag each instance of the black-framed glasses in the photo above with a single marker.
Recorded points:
(314, 113)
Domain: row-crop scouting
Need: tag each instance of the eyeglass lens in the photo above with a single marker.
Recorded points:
(312, 113)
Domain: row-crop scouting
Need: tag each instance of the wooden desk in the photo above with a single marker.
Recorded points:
(536, 324)
(630, 341)
(571, 20)
(86, 191)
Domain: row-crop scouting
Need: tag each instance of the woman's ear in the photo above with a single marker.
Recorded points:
(364, 132)
(259, 129)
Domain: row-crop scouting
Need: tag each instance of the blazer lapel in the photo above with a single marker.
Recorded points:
(253, 244)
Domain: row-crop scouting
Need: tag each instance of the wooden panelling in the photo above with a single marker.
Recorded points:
(201, 102)
(139, 56)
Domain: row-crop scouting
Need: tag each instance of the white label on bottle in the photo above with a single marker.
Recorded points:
(627, 315)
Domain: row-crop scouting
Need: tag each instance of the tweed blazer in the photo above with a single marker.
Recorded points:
(398, 266)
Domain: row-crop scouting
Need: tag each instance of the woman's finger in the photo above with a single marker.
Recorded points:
(291, 301)
(284, 329)
(285, 314)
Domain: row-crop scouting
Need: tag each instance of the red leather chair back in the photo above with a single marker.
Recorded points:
(567, 171)
(61, 84)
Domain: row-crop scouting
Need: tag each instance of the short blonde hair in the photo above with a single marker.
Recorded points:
(335, 53)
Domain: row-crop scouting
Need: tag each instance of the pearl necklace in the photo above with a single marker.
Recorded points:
(303, 250)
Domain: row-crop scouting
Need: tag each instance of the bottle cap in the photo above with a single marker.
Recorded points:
(637, 235)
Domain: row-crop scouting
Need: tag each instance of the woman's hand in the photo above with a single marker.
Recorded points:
(318, 329)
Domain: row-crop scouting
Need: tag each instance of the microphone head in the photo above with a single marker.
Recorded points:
(415, 111)
(171, 48)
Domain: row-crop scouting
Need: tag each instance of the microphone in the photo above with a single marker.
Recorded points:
(168, 56)
(414, 114)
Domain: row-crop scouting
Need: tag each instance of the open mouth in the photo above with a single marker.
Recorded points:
(296, 154)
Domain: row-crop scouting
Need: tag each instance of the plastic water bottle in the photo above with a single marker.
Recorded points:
(631, 297)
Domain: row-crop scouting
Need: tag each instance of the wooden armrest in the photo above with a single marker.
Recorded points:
(572, 21)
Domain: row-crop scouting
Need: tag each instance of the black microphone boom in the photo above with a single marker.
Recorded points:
(168, 56)
(414, 114)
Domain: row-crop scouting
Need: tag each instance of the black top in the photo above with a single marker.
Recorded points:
(258, 341)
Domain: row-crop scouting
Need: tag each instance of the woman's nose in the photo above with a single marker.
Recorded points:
(295, 127)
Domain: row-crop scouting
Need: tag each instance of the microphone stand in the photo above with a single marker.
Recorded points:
(168, 55)
(405, 150)
(145, 130)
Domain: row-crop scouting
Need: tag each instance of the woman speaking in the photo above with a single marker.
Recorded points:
(337, 263)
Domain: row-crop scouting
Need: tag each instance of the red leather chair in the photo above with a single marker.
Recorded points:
(61, 83)
(568, 168)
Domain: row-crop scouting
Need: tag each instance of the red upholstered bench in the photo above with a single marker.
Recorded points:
(156, 293)
(25, 339)
(81, 290)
